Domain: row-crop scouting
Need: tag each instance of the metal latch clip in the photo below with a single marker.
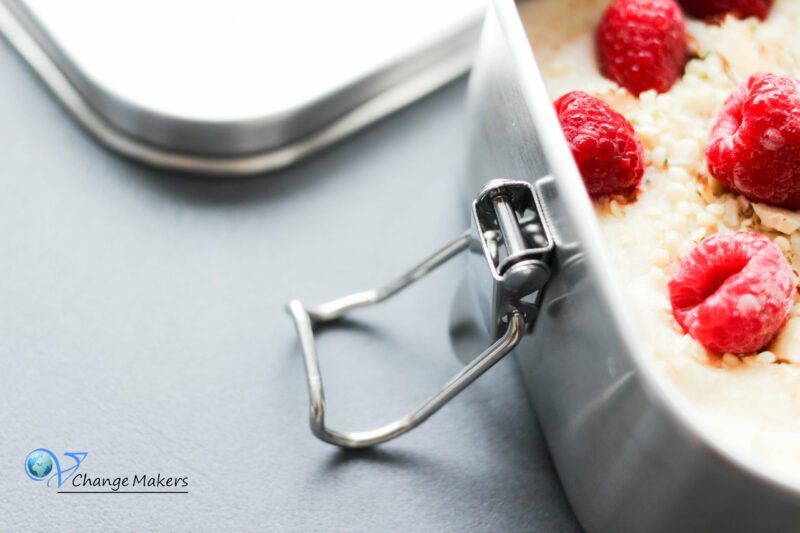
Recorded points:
(507, 223)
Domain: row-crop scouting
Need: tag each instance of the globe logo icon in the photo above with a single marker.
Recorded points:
(39, 465)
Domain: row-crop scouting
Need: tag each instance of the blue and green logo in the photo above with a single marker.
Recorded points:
(43, 465)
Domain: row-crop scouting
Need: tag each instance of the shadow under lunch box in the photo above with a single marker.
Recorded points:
(629, 450)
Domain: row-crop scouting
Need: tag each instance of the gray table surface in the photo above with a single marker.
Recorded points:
(142, 321)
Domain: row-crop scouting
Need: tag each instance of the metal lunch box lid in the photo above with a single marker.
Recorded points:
(237, 87)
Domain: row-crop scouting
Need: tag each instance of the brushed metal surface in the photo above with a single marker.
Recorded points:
(238, 87)
(630, 453)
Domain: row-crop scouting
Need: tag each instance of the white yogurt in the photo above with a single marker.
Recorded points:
(748, 403)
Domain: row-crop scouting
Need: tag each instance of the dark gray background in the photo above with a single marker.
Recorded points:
(141, 320)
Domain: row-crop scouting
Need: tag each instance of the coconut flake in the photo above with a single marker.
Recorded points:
(783, 220)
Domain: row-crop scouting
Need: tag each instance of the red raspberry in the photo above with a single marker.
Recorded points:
(608, 154)
(717, 9)
(641, 44)
(733, 292)
(754, 147)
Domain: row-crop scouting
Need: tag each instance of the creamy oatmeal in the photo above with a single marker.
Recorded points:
(751, 403)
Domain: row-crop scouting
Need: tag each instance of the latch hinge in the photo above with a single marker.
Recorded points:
(516, 242)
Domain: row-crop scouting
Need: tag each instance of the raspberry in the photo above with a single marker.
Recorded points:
(733, 292)
(754, 147)
(713, 10)
(641, 44)
(602, 142)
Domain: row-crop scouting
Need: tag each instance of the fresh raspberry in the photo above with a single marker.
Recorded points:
(754, 147)
(733, 292)
(713, 10)
(608, 154)
(641, 44)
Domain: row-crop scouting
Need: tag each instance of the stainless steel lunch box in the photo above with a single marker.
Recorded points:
(629, 452)
(629, 449)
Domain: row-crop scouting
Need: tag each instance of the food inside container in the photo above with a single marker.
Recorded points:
(749, 402)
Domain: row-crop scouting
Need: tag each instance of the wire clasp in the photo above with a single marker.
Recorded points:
(508, 226)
